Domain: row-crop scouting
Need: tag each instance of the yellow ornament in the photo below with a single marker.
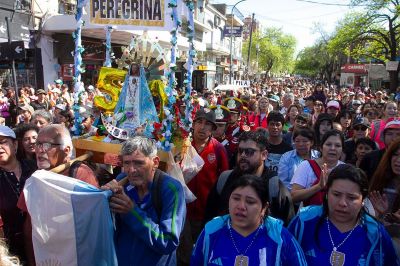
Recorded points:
(110, 83)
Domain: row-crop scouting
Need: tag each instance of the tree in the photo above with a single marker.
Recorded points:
(317, 62)
(373, 33)
(276, 50)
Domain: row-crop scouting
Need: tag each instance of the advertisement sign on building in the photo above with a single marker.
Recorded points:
(149, 13)
(235, 31)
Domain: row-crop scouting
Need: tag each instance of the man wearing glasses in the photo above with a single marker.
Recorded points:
(252, 152)
(54, 147)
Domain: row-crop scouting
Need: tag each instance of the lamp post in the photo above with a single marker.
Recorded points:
(231, 59)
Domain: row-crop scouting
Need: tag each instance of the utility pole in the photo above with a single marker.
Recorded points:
(231, 46)
(14, 75)
(250, 42)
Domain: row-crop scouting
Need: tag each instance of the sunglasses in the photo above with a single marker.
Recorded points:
(358, 128)
(247, 151)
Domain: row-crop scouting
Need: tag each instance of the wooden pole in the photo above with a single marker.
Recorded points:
(64, 166)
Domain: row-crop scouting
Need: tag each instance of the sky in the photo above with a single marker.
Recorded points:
(295, 17)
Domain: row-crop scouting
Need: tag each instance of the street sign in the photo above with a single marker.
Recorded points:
(235, 31)
(392, 65)
(242, 83)
(18, 31)
(15, 50)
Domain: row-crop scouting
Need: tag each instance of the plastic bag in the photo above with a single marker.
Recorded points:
(175, 171)
(191, 163)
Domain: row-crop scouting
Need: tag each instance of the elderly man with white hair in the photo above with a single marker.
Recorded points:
(287, 100)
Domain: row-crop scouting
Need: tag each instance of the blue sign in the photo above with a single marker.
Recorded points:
(235, 31)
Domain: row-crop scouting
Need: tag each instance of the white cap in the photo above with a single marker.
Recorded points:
(7, 132)
(334, 104)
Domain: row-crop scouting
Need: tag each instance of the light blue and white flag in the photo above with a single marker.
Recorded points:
(71, 221)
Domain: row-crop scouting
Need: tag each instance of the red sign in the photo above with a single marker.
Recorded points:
(354, 68)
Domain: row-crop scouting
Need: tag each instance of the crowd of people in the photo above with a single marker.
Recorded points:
(296, 172)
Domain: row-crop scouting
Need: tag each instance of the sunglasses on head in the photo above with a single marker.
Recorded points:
(247, 151)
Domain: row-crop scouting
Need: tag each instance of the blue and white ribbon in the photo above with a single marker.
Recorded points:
(166, 143)
(109, 53)
(78, 86)
(187, 121)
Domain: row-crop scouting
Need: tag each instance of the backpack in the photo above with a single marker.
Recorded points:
(273, 184)
(156, 196)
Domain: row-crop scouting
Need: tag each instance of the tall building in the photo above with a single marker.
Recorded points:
(247, 27)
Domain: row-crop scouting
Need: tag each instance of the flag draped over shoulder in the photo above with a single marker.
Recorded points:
(71, 221)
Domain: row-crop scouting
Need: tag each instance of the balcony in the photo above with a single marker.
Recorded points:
(200, 22)
(218, 49)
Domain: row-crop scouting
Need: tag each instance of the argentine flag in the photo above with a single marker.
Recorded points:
(71, 221)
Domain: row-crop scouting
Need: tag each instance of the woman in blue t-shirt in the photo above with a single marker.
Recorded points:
(340, 232)
(246, 236)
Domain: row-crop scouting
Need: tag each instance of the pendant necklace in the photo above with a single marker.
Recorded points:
(338, 258)
(241, 259)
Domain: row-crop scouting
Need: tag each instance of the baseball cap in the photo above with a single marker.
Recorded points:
(40, 91)
(393, 123)
(206, 114)
(27, 108)
(58, 81)
(60, 106)
(333, 104)
(274, 98)
(356, 102)
(351, 93)
(378, 92)
(5, 131)
(361, 121)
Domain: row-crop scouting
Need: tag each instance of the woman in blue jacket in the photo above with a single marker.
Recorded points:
(340, 232)
(245, 236)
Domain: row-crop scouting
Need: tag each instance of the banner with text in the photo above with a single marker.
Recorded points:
(148, 13)
(242, 83)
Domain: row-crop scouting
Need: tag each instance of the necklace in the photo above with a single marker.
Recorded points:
(241, 259)
(338, 258)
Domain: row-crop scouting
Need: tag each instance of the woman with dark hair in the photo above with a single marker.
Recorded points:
(323, 124)
(345, 118)
(303, 139)
(340, 232)
(318, 108)
(247, 235)
(290, 117)
(385, 185)
(309, 179)
(301, 121)
(26, 136)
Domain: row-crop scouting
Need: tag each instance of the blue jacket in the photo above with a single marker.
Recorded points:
(140, 238)
(381, 251)
(283, 249)
(288, 164)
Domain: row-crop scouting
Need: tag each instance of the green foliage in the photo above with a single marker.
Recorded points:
(276, 50)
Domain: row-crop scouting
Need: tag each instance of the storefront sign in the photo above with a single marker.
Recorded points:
(354, 68)
(202, 68)
(128, 12)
